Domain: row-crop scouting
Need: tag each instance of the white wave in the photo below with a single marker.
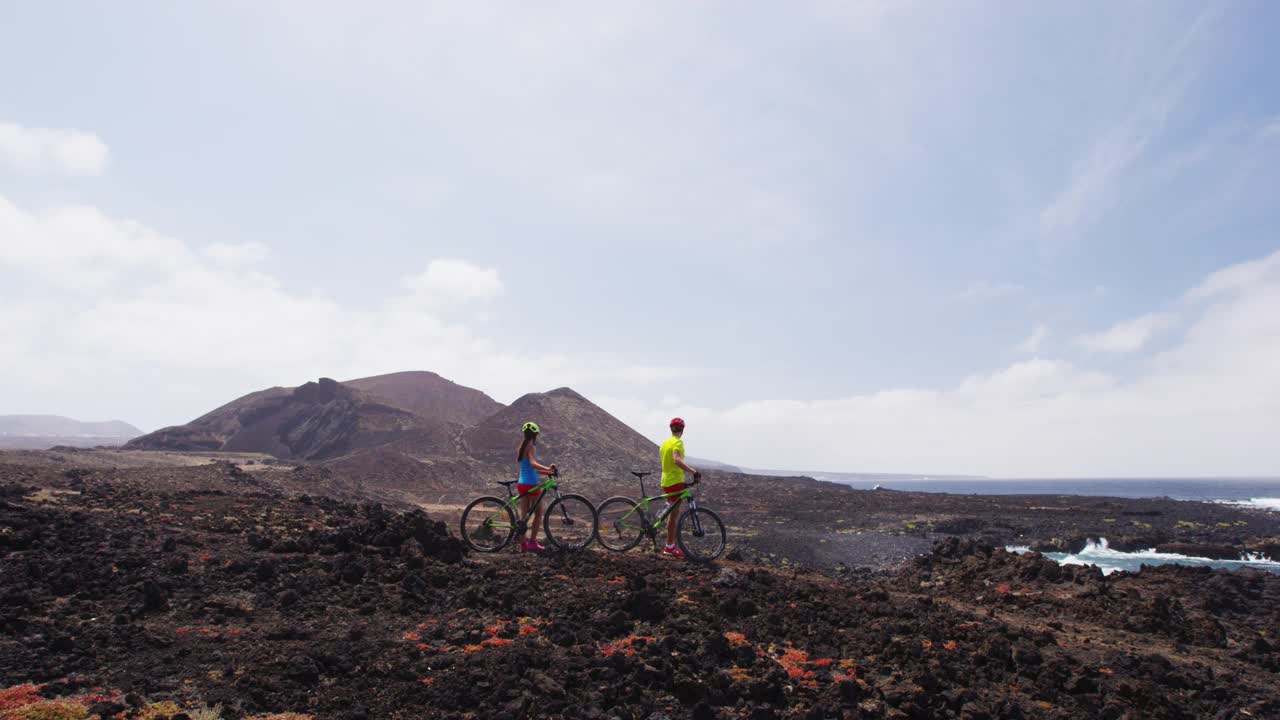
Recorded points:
(1100, 553)
(1259, 503)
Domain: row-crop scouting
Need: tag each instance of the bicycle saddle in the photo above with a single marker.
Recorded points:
(507, 483)
(640, 475)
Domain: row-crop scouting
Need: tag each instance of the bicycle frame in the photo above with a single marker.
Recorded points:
(642, 505)
(513, 501)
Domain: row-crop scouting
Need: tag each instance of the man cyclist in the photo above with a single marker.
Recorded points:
(673, 469)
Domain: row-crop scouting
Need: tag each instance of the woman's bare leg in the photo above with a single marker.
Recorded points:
(537, 519)
(524, 515)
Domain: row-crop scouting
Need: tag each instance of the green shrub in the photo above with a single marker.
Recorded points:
(204, 712)
(49, 710)
(159, 710)
(18, 696)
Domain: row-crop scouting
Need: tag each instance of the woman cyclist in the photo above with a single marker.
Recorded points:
(529, 469)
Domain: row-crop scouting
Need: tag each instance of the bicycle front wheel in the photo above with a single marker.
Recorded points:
(619, 524)
(701, 535)
(488, 524)
(570, 522)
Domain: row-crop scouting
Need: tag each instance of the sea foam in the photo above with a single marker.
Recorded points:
(1108, 560)
(1260, 503)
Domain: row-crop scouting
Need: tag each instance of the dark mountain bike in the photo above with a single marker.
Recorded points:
(622, 522)
(490, 523)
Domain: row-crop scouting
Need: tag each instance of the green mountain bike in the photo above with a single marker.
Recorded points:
(621, 522)
(490, 523)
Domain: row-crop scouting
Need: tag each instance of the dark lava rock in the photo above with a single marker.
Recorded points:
(107, 709)
(647, 605)
(303, 668)
(64, 584)
(591, 635)
(353, 573)
(154, 597)
(266, 570)
(1026, 654)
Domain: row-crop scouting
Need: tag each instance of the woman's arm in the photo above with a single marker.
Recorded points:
(533, 460)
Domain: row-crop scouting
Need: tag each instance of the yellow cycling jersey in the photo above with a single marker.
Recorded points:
(672, 474)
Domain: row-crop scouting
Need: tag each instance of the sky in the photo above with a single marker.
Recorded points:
(995, 238)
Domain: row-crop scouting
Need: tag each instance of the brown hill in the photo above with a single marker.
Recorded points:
(577, 435)
(211, 430)
(341, 424)
(429, 395)
(315, 421)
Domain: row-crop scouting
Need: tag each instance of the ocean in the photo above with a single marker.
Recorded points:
(1260, 492)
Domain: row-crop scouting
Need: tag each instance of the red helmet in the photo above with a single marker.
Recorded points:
(676, 422)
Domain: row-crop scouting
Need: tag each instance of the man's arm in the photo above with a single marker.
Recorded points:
(678, 458)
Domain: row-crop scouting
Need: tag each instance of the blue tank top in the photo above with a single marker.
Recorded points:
(528, 475)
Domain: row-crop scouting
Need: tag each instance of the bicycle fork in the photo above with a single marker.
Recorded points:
(524, 520)
(697, 521)
(564, 513)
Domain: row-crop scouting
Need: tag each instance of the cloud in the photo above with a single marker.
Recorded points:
(1092, 186)
(983, 291)
(1089, 191)
(559, 102)
(246, 253)
(1128, 336)
(1271, 130)
(80, 248)
(1031, 345)
(1208, 406)
(143, 302)
(1237, 278)
(451, 281)
(45, 150)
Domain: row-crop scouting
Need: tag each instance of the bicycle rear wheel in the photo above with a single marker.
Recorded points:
(488, 524)
(619, 523)
(570, 522)
(701, 535)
